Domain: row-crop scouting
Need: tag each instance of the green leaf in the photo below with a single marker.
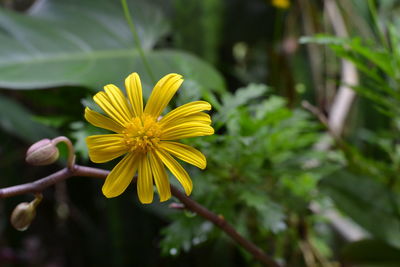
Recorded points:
(18, 121)
(367, 202)
(301, 185)
(270, 214)
(232, 102)
(243, 95)
(354, 50)
(80, 131)
(87, 43)
(381, 59)
(184, 233)
(379, 64)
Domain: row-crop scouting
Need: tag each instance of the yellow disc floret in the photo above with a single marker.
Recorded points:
(142, 133)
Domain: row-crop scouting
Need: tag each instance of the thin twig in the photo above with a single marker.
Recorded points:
(219, 221)
(316, 111)
(78, 170)
(325, 122)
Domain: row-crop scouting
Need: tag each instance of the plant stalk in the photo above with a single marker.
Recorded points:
(136, 39)
(78, 171)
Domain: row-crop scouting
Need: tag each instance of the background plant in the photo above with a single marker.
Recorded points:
(267, 173)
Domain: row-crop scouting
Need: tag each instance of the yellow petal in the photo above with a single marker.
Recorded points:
(162, 93)
(134, 89)
(176, 169)
(102, 121)
(199, 117)
(118, 100)
(185, 110)
(145, 181)
(185, 153)
(103, 148)
(160, 177)
(104, 102)
(121, 176)
(186, 130)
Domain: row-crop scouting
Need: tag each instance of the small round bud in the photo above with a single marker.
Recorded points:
(43, 152)
(23, 215)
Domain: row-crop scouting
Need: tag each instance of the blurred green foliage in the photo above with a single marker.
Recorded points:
(266, 172)
(256, 179)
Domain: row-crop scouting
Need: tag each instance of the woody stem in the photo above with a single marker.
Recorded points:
(38, 186)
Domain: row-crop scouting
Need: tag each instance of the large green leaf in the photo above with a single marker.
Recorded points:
(88, 43)
(18, 121)
(367, 202)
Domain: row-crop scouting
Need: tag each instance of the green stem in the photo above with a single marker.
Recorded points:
(137, 40)
(71, 150)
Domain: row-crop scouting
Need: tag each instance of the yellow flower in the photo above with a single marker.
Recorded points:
(145, 138)
(283, 4)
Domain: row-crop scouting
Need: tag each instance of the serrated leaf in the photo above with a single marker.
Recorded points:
(183, 234)
(270, 214)
(244, 95)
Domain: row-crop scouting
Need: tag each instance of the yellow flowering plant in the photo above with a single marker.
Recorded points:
(145, 137)
(282, 4)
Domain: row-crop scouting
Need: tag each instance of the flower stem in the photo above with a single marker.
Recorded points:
(77, 170)
(71, 150)
(137, 40)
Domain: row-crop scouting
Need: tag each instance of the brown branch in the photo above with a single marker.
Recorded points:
(77, 170)
(322, 146)
(317, 112)
(225, 226)
(36, 186)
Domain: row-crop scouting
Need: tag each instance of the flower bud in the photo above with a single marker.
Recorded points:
(23, 215)
(43, 152)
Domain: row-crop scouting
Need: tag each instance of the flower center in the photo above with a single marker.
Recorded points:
(142, 133)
